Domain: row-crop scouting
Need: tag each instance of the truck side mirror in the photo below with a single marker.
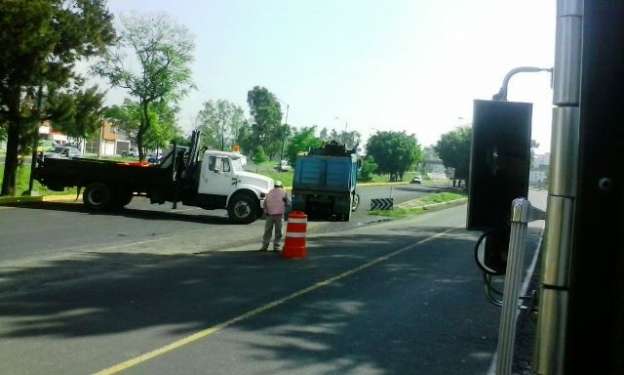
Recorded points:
(499, 172)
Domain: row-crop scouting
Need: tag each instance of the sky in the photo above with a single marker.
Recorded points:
(366, 65)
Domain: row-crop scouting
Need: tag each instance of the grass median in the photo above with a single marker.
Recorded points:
(419, 205)
(21, 184)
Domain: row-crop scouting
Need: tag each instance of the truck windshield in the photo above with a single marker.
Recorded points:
(237, 164)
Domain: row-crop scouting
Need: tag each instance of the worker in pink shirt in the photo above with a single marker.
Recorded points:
(275, 205)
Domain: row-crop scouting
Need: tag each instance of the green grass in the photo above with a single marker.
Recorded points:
(268, 169)
(377, 178)
(21, 184)
(440, 198)
(417, 204)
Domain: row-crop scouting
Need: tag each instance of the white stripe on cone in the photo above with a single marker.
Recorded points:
(298, 221)
(295, 235)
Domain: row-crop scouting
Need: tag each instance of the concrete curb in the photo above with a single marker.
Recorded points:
(406, 204)
(61, 198)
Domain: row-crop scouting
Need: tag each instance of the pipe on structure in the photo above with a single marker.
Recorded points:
(501, 95)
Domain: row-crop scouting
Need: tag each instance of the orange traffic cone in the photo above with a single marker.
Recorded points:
(295, 244)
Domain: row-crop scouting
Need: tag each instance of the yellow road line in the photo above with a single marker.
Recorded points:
(216, 328)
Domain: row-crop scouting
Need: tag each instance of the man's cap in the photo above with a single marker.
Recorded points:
(278, 183)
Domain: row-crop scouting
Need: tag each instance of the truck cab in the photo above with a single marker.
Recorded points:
(223, 183)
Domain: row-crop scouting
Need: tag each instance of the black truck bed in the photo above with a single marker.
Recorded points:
(57, 174)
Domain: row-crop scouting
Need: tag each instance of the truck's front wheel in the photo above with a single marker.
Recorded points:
(97, 196)
(243, 209)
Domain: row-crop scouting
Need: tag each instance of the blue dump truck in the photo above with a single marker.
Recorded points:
(325, 181)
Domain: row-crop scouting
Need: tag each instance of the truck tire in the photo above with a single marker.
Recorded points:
(356, 202)
(243, 208)
(98, 196)
(346, 216)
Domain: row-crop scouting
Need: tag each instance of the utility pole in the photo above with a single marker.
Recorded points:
(284, 133)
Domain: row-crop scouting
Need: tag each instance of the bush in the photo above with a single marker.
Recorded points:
(260, 156)
(368, 168)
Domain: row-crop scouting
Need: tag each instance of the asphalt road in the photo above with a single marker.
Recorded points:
(399, 297)
(37, 230)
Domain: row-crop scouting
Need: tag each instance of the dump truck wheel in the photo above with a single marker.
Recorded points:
(97, 196)
(243, 209)
(356, 202)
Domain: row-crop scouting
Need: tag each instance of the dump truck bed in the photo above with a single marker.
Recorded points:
(325, 173)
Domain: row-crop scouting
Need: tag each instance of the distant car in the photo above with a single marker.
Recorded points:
(283, 166)
(63, 152)
(153, 159)
(416, 180)
(130, 153)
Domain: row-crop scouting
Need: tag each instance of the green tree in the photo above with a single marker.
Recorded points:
(303, 140)
(324, 135)
(454, 150)
(126, 117)
(78, 114)
(267, 127)
(162, 116)
(180, 140)
(164, 127)
(369, 167)
(394, 152)
(42, 41)
(163, 52)
(220, 123)
(348, 138)
(245, 139)
(260, 156)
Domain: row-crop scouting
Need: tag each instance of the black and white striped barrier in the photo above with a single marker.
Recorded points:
(382, 204)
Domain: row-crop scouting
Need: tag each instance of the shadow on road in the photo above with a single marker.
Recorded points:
(127, 212)
(432, 290)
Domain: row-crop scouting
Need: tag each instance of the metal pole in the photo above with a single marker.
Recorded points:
(557, 261)
(513, 278)
(284, 134)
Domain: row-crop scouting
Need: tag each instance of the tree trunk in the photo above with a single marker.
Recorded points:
(10, 162)
(145, 125)
(13, 135)
(139, 140)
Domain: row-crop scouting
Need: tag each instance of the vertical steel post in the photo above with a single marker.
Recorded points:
(513, 278)
(557, 260)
